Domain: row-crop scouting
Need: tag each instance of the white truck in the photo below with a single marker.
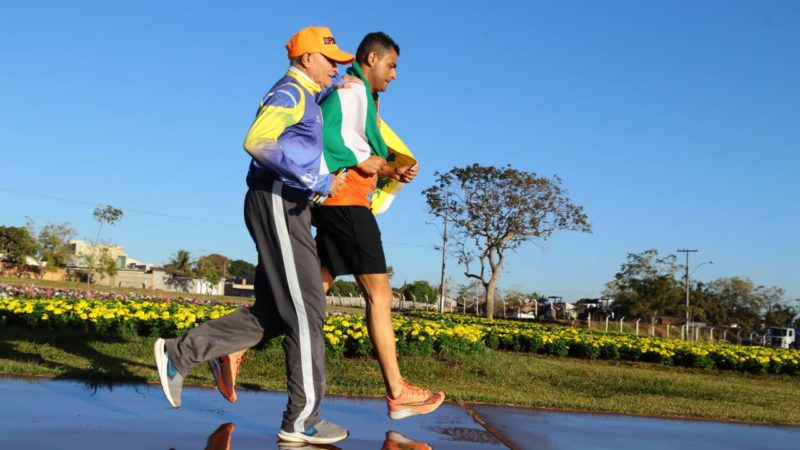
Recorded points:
(780, 337)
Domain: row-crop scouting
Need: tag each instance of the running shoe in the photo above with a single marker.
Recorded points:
(413, 401)
(321, 433)
(171, 380)
(224, 369)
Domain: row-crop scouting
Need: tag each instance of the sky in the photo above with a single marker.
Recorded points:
(675, 124)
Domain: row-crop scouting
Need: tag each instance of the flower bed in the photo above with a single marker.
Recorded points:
(416, 334)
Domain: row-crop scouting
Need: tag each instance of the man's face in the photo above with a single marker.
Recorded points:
(384, 71)
(321, 69)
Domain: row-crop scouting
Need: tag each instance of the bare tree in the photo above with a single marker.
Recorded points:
(100, 261)
(493, 210)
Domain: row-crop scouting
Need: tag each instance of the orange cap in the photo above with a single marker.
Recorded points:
(317, 40)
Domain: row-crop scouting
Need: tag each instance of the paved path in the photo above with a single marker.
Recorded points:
(51, 414)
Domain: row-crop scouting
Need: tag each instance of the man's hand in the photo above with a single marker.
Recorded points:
(405, 174)
(348, 81)
(336, 184)
(371, 165)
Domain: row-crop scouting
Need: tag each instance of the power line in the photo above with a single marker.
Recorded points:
(405, 244)
(139, 211)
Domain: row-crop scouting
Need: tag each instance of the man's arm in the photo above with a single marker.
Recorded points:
(279, 111)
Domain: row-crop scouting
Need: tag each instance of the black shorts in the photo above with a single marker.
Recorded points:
(348, 240)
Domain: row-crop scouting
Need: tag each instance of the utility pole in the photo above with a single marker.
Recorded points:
(687, 286)
(442, 290)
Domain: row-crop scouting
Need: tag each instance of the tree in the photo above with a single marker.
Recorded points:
(468, 294)
(493, 210)
(99, 260)
(740, 302)
(342, 288)
(53, 243)
(242, 269)
(107, 214)
(706, 307)
(419, 291)
(646, 287)
(206, 269)
(221, 264)
(181, 264)
(16, 245)
(781, 315)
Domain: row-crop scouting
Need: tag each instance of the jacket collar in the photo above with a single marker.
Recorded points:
(303, 79)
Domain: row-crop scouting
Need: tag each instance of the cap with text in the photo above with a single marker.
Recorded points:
(317, 40)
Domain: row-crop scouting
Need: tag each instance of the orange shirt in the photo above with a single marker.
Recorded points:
(355, 191)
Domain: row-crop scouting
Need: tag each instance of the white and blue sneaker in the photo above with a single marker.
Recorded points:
(171, 380)
(322, 433)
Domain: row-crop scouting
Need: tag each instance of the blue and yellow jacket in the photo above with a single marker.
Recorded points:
(285, 140)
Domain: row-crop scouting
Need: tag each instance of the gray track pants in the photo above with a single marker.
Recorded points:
(289, 300)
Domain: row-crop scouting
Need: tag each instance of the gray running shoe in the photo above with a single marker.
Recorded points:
(171, 380)
(321, 433)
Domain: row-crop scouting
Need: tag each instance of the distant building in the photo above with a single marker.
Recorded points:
(78, 249)
(158, 278)
(240, 289)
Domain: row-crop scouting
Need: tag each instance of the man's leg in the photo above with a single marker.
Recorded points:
(327, 279)
(349, 241)
(225, 368)
(218, 337)
(175, 358)
(378, 295)
(402, 398)
(281, 227)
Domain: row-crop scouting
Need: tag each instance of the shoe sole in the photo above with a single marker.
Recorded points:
(161, 363)
(231, 397)
(304, 438)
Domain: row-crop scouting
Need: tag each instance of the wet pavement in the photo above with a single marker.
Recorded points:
(538, 429)
(59, 414)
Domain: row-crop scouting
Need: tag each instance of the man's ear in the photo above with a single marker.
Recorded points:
(306, 60)
(372, 59)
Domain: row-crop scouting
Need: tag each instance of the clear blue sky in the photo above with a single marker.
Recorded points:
(674, 123)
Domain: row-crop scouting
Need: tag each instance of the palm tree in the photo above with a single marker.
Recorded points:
(181, 263)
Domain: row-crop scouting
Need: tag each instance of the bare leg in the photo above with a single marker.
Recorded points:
(327, 279)
(378, 294)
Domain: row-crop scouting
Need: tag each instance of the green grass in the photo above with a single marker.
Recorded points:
(493, 377)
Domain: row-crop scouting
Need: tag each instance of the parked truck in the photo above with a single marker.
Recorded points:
(780, 337)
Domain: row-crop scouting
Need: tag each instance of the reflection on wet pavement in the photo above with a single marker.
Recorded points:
(59, 414)
(540, 429)
(397, 441)
(220, 439)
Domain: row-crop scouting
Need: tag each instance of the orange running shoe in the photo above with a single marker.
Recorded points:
(396, 441)
(225, 369)
(413, 401)
(221, 438)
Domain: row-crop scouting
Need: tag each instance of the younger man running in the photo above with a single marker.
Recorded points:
(348, 238)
